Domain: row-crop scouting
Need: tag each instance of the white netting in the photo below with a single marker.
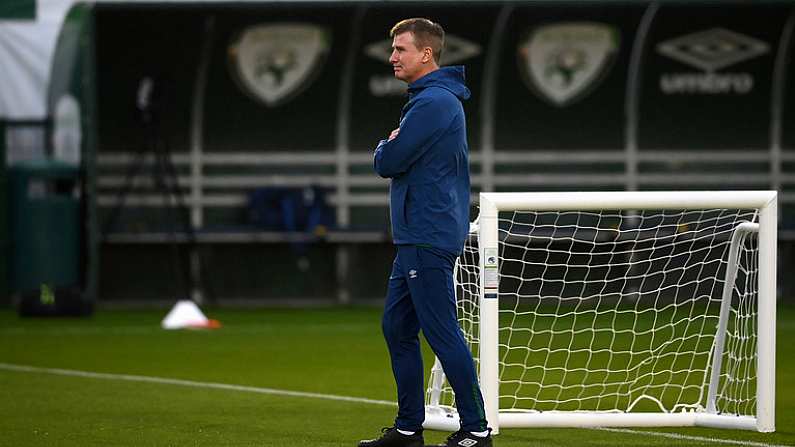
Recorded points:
(617, 311)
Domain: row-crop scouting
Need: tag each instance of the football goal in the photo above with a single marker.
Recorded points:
(619, 309)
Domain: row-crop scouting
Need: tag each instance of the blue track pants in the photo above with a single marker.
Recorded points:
(421, 296)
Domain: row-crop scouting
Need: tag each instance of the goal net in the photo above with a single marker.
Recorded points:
(619, 309)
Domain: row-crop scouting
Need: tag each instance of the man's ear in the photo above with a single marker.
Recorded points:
(427, 55)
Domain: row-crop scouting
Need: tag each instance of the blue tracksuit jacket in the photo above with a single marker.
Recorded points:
(428, 163)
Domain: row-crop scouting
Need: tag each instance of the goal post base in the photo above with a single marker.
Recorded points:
(574, 419)
(445, 421)
(437, 419)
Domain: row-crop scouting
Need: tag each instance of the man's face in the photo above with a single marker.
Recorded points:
(406, 58)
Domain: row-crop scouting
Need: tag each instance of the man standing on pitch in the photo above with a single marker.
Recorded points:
(427, 159)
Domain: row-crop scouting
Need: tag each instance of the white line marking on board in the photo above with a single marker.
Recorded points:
(362, 400)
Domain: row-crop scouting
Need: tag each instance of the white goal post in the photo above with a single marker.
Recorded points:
(619, 309)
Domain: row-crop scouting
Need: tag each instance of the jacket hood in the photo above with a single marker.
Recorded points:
(449, 78)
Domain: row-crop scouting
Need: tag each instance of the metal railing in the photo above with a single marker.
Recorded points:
(225, 179)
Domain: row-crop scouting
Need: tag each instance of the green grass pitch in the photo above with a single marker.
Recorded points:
(337, 351)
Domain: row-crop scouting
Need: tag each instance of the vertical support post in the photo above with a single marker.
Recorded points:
(343, 154)
(738, 236)
(197, 124)
(778, 93)
(489, 310)
(437, 381)
(632, 102)
(343, 274)
(766, 324)
(488, 108)
(197, 153)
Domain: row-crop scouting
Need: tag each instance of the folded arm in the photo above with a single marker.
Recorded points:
(420, 128)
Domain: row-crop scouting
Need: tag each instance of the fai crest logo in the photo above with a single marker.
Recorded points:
(275, 62)
(565, 61)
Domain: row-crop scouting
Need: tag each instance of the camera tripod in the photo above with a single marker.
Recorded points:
(164, 180)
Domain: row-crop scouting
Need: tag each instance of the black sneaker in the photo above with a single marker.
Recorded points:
(463, 438)
(390, 437)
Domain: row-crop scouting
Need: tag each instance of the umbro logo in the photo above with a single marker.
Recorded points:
(457, 49)
(468, 442)
(710, 50)
(412, 274)
(713, 49)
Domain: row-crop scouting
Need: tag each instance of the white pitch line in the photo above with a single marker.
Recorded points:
(277, 392)
(681, 437)
(155, 329)
(190, 383)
